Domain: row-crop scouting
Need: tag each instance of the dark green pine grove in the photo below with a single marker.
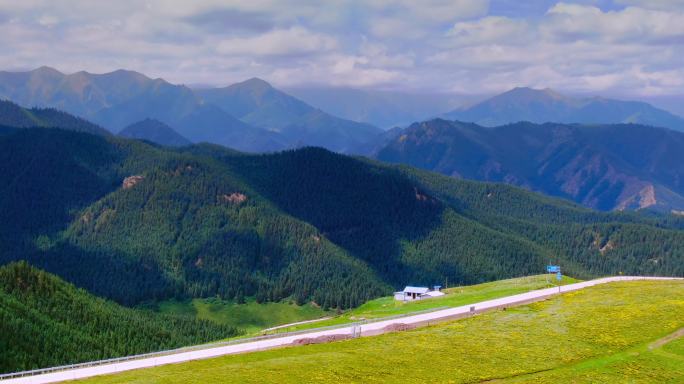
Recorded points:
(45, 321)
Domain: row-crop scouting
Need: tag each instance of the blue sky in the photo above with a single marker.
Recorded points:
(613, 47)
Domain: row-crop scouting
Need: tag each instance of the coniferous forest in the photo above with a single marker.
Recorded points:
(45, 321)
(132, 222)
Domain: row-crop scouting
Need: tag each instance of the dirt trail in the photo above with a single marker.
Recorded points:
(672, 336)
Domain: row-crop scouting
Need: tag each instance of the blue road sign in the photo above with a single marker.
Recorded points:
(559, 276)
(553, 268)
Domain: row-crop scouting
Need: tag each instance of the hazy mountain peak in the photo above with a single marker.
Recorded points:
(45, 70)
(256, 81)
(251, 115)
(527, 94)
(254, 84)
(127, 73)
(547, 105)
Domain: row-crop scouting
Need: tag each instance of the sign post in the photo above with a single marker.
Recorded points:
(557, 270)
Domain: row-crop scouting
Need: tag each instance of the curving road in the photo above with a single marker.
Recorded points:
(368, 329)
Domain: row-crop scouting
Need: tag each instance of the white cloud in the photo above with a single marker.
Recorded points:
(291, 41)
(380, 56)
(436, 11)
(629, 46)
(490, 29)
(655, 4)
(336, 70)
(572, 22)
(408, 19)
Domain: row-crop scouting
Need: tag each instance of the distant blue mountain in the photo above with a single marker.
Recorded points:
(384, 109)
(259, 104)
(602, 166)
(541, 106)
(250, 116)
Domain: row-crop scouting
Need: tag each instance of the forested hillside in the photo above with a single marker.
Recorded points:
(134, 222)
(605, 167)
(45, 321)
(12, 115)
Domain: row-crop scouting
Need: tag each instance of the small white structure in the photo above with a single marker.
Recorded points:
(417, 293)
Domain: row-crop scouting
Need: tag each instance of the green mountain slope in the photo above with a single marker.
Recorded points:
(152, 223)
(45, 321)
(156, 132)
(12, 115)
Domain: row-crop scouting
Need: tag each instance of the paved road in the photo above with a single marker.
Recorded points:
(365, 330)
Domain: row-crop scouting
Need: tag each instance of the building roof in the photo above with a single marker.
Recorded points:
(419, 290)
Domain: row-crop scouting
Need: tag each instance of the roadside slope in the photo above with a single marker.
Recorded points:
(586, 325)
(371, 329)
(45, 321)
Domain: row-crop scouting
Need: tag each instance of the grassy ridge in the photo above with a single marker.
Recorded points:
(249, 317)
(253, 317)
(600, 334)
(457, 296)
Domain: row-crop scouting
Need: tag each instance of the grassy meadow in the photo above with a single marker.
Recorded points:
(250, 317)
(455, 297)
(607, 333)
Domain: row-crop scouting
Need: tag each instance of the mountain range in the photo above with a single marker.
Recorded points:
(250, 116)
(259, 104)
(621, 167)
(136, 222)
(384, 109)
(546, 105)
(113, 222)
(605, 167)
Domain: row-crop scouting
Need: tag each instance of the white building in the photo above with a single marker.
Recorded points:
(417, 293)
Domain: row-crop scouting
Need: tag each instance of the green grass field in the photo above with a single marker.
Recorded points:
(457, 296)
(600, 334)
(250, 317)
(676, 347)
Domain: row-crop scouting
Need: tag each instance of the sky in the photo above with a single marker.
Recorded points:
(610, 47)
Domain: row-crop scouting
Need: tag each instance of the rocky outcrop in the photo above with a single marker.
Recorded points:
(131, 181)
(233, 198)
